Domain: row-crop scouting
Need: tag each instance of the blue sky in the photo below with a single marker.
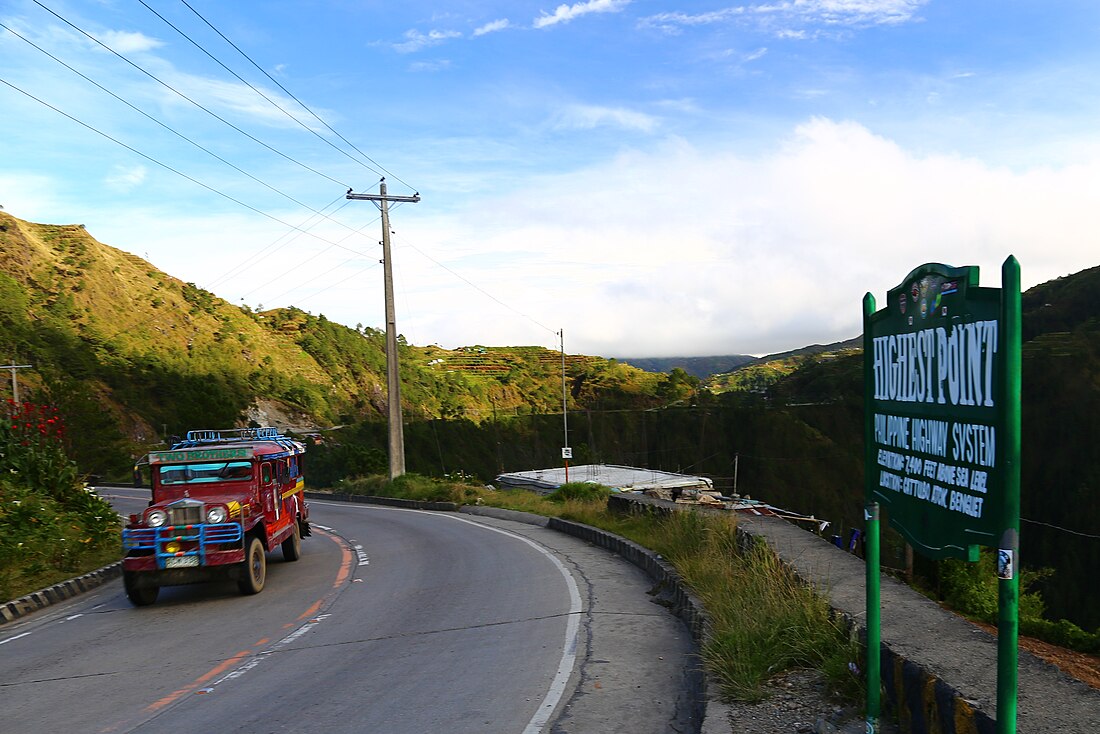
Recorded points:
(655, 178)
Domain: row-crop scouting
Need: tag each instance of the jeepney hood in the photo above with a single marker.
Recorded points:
(191, 510)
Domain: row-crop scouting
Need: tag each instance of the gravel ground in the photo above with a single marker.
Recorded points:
(798, 702)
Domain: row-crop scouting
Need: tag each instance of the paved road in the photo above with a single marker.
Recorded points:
(392, 621)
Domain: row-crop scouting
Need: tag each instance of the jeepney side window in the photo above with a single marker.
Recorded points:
(265, 472)
(294, 466)
(281, 471)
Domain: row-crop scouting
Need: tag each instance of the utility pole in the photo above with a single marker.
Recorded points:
(14, 381)
(566, 450)
(393, 382)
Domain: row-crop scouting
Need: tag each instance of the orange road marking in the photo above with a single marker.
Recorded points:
(313, 608)
(345, 567)
(218, 669)
(341, 577)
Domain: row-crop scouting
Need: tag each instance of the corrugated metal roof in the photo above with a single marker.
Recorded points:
(610, 475)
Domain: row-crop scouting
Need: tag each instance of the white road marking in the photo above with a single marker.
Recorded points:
(572, 627)
(16, 637)
(253, 662)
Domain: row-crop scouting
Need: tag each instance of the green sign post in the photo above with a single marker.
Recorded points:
(942, 438)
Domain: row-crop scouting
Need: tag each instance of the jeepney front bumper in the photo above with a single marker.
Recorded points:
(182, 547)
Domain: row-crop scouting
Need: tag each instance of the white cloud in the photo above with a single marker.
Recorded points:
(430, 66)
(850, 12)
(565, 13)
(674, 22)
(586, 117)
(125, 42)
(492, 27)
(240, 98)
(29, 196)
(703, 250)
(415, 40)
(126, 178)
(781, 16)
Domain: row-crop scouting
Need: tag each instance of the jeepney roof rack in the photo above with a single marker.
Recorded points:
(237, 435)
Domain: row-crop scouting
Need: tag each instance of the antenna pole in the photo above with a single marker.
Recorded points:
(14, 368)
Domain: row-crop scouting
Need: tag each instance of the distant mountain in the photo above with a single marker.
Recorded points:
(701, 367)
(855, 342)
(761, 374)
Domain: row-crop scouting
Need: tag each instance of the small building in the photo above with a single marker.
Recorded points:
(681, 489)
(619, 478)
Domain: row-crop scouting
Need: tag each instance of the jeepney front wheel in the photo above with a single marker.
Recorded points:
(139, 596)
(292, 546)
(254, 572)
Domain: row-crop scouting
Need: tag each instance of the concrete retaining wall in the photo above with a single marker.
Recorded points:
(939, 671)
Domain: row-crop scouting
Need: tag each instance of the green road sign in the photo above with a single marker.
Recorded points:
(936, 373)
(941, 389)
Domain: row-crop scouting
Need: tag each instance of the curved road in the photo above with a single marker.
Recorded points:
(392, 621)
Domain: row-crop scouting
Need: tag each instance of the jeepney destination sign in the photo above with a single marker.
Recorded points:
(934, 364)
(172, 457)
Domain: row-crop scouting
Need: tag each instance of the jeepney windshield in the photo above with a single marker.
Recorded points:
(222, 471)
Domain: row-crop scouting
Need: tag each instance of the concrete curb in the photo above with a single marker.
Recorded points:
(670, 591)
(527, 518)
(13, 610)
(363, 499)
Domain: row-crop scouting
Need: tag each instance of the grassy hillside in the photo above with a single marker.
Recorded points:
(132, 354)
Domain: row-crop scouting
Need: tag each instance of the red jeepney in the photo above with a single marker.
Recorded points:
(221, 500)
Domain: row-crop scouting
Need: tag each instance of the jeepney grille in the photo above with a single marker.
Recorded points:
(185, 515)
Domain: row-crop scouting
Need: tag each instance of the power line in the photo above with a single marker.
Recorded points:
(339, 282)
(167, 167)
(288, 237)
(168, 86)
(478, 288)
(291, 95)
(1064, 530)
(170, 129)
(275, 104)
(295, 268)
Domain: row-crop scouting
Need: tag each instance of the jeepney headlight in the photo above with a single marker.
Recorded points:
(215, 514)
(156, 518)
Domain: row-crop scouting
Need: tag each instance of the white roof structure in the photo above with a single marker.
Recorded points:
(624, 478)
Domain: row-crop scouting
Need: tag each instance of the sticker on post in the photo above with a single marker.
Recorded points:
(1005, 563)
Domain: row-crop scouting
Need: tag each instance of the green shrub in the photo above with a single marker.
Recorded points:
(410, 487)
(1063, 633)
(580, 491)
(972, 589)
(51, 527)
